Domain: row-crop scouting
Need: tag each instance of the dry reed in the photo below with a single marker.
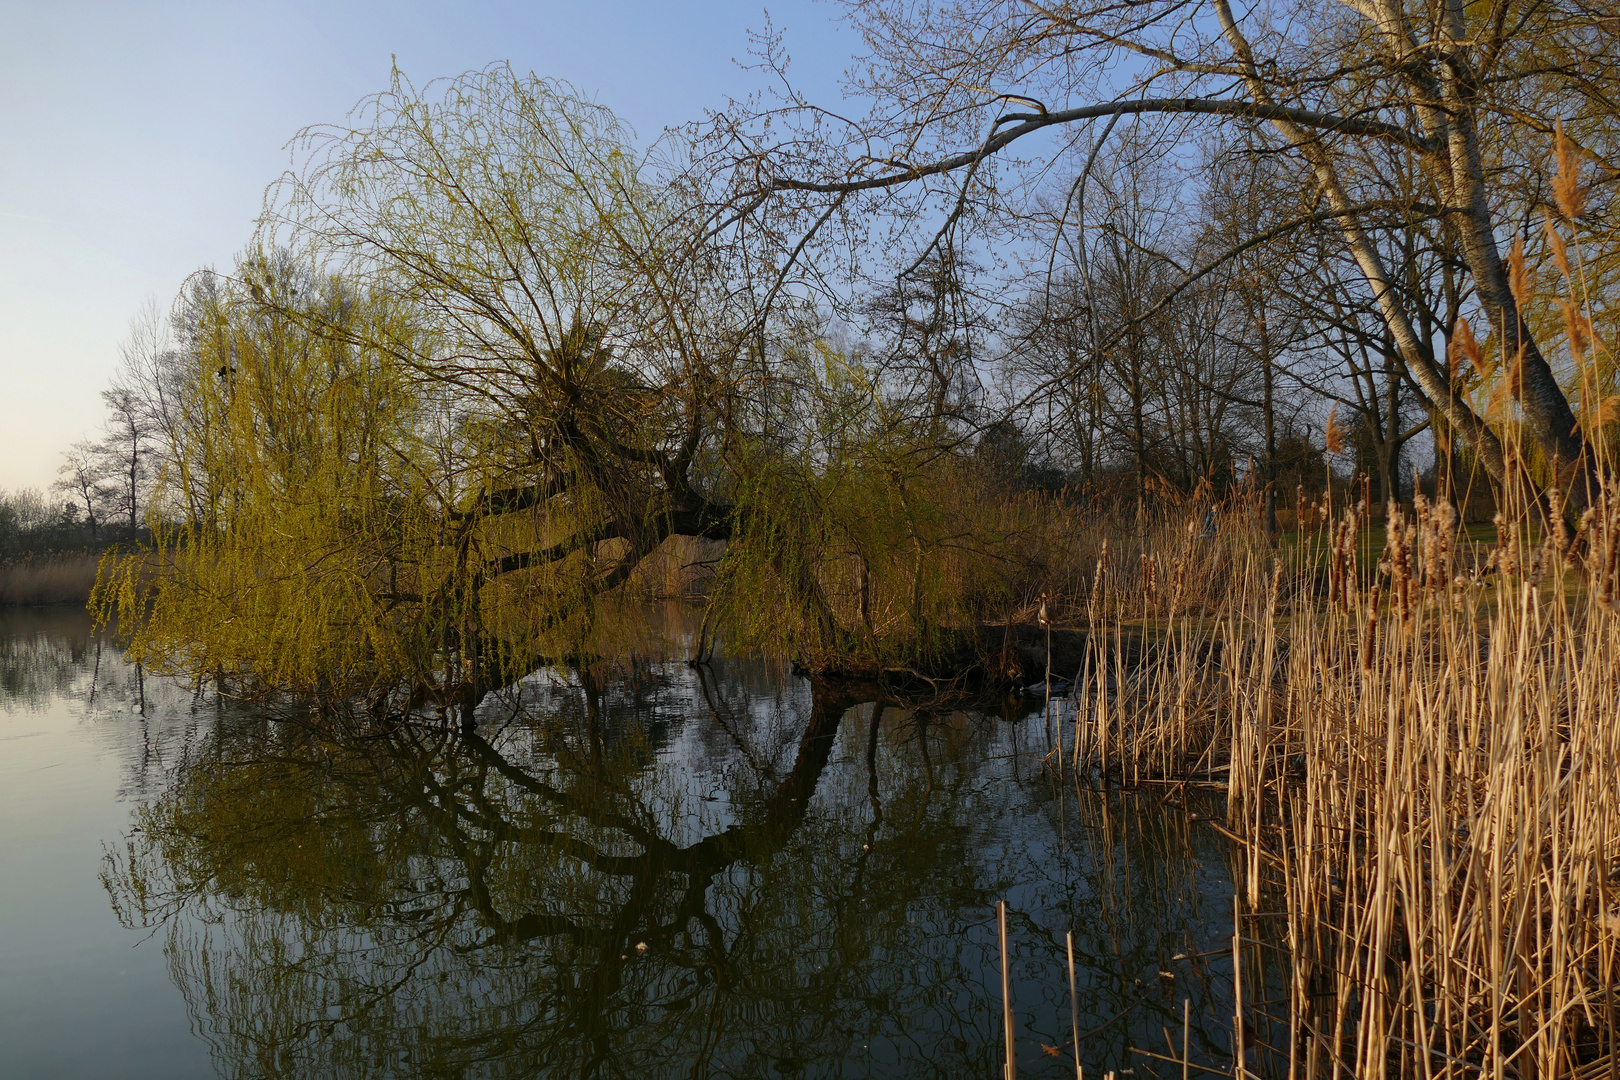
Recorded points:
(1423, 774)
(52, 579)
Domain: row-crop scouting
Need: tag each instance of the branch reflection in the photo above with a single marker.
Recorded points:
(686, 873)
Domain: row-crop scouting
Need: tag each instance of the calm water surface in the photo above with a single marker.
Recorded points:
(726, 873)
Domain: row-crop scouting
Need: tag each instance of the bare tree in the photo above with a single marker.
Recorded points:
(124, 451)
(83, 482)
(930, 333)
(1466, 97)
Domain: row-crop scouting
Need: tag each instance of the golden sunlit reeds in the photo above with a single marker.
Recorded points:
(1423, 768)
(1422, 760)
(1422, 755)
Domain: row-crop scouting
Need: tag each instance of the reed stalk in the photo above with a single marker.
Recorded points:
(1010, 1070)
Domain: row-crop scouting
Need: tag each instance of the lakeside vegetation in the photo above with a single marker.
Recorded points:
(49, 552)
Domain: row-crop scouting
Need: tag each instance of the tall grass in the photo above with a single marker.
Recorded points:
(1447, 857)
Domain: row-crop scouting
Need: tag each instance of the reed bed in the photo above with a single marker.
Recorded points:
(1422, 767)
(49, 579)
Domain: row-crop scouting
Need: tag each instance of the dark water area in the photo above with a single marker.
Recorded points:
(728, 872)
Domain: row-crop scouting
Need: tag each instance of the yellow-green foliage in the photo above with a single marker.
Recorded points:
(300, 504)
(874, 534)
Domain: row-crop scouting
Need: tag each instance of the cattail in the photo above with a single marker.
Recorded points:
(1429, 556)
(1445, 528)
(1369, 632)
(1333, 435)
(1336, 590)
(1342, 560)
(1582, 525)
(1560, 539)
(1604, 558)
(1567, 190)
(1505, 558)
(1096, 582)
(1397, 563)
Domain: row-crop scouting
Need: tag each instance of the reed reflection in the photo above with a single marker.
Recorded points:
(43, 655)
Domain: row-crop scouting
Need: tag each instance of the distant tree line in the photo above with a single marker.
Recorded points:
(31, 523)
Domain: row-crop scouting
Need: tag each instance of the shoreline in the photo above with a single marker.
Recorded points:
(48, 580)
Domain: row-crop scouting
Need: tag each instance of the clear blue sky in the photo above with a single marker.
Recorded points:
(136, 141)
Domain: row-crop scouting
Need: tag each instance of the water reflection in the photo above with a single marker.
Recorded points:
(43, 654)
(728, 872)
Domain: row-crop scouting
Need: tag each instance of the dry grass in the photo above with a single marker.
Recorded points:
(52, 579)
(1424, 768)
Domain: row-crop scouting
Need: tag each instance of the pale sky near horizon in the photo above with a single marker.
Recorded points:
(136, 141)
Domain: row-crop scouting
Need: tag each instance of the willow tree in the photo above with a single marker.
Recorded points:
(296, 505)
(481, 345)
(487, 343)
(579, 319)
(492, 360)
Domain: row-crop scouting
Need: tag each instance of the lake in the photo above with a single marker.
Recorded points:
(726, 871)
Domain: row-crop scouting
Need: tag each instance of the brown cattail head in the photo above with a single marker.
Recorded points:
(1101, 568)
(1397, 562)
(1369, 632)
(1342, 561)
(1560, 538)
(1567, 190)
(1608, 566)
(1427, 539)
(1444, 523)
(1505, 558)
(1582, 525)
(1600, 525)
(1334, 435)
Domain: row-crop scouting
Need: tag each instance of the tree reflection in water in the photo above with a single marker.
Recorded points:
(725, 873)
(43, 655)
